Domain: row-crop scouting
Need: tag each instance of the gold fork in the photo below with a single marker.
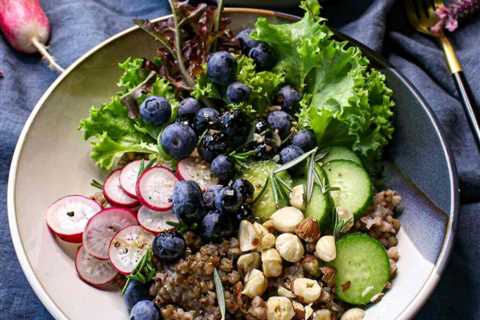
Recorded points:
(421, 14)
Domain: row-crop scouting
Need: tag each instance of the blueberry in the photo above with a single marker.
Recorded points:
(155, 110)
(135, 291)
(211, 145)
(221, 68)
(237, 92)
(228, 200)
(305, 139)
(188, 202)
(289, 98)
(144, 310)
(168, 246)
(289, 153)
(244, 213)
(261, 125)
(188, 108)
(244, 187)
(210, 194)
(216, 226)
(246, 43)
(178, 140)
(263, 56)
(280, 121)
(236, 127)
(205, 118)
(223, 168)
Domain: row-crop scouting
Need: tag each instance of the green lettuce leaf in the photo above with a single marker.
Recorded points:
(344, 102)
(133, 74)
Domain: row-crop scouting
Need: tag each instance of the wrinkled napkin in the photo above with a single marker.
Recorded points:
(79, 25)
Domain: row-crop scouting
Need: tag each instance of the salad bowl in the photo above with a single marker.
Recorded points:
(51, 160)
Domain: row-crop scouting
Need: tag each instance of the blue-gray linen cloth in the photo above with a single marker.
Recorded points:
(79, 25)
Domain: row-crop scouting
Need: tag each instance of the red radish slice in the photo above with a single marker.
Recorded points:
(114, 193)
(196, 170)
(102, 227)
(155, 188)
(95, 272)
(129, 177)
(128, 247)
(68, 216)
(155, 221)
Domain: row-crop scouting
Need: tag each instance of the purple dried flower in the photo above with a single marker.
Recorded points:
(449, 15)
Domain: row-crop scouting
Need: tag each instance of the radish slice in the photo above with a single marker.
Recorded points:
(155, 221)
(129, 177)
(68, 216)
(196, 170)
(128, 247)
(155, 188)
(95, 272)
(114, 193)
(102, 227)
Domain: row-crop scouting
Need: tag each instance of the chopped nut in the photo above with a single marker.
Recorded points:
(247, 236)
(258, 308)
(284, 292)
(279, 308)
(308, 290)
(322, 314)
(267, 242)
(297, 197)
(248, 261)
(308, 311)
(353, 314)
(325, 248)
(255, 284)
(287, 219)
(290, 247)
(260, 229)
(311, 266)
(347, 217)
(269, 226)
(299, 310)
(393, 253)
(308, 230)
(271, 263)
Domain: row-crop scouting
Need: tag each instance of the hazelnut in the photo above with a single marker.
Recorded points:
(311, 266)
(308, 290)
(255, 284)
(290, 247)
(308, 311)
(284, 292)
(247, 262)
(269, 225)
(299, 310)
(287, 219)
(353, 314)
(267, 239)
(247, 236)
(297, 197)
(279, 308)
(322, 314)
(325, 249)
(308, 230)
(271, 263)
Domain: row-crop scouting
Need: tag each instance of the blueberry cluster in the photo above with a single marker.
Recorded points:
(217, 211)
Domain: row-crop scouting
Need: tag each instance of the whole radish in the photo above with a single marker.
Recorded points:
(26, 27)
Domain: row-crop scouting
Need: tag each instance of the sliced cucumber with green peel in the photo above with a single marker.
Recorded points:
(319, 207)
(264, 204)
(362, 268)
(341, 153)
(355, 189)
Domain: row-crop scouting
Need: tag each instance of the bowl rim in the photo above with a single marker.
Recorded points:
(412, 308)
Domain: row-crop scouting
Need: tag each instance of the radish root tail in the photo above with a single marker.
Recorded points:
(46, 55)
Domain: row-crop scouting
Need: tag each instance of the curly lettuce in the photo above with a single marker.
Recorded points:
(345, 102)
(112, 131)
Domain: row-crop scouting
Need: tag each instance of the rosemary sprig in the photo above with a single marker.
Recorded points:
(310, 177)
(220, 293)
(240, 158)
(144, 272)
(339, 224)
(295, 161)
(96, 184)
(144, 166)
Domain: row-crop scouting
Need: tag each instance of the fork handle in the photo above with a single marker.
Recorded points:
(471, 110)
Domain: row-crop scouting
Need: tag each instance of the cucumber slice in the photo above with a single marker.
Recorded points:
(264, 204)
(355, 188)
(341, 153)
(362, 268)
(319, 207)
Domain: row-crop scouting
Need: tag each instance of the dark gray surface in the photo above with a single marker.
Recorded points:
(80, 25)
